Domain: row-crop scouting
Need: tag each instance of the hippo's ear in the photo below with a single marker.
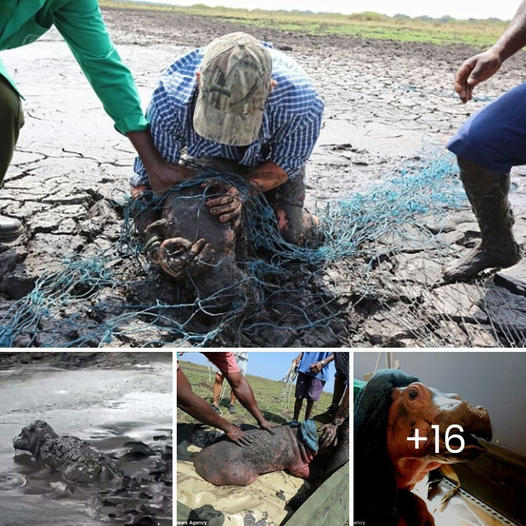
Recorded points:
(396, 393)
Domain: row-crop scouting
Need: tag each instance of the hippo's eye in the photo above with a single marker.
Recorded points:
(412, 394)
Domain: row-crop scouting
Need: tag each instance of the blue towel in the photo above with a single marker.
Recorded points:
(309, 434)
(375, 491)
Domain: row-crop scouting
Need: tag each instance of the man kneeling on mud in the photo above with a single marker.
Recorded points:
(237, 106)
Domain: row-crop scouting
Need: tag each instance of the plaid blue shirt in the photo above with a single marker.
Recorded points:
(290, 128)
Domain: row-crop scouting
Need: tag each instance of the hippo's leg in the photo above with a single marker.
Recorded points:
(78, 473)
(226, 473)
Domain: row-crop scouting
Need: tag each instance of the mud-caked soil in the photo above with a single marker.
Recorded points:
(386, 104)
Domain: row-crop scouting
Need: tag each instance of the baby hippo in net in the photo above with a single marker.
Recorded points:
(194, 246)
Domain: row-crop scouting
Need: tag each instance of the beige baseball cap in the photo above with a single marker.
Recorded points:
(234, 86)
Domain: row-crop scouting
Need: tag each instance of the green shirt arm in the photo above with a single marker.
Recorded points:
(80, 23)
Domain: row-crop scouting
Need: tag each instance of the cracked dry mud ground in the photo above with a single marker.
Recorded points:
(385, 102)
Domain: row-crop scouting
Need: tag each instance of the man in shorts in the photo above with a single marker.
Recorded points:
(242, 362)
(197, 407)
(313, 372)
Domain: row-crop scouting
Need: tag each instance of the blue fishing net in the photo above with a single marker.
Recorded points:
(117, 297)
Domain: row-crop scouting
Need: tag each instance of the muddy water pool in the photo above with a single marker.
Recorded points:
(107, 408)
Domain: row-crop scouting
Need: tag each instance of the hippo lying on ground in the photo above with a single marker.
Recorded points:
(392, 412)
(75, 458)
(225, 463)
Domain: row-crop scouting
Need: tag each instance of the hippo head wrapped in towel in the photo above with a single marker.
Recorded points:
(294, 450)
(392, 408)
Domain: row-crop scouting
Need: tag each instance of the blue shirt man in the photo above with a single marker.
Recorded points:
(310, 358)
(238, 105)
(313, 372)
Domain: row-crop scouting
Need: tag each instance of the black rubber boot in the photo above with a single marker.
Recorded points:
(10, 229)
(487, 192)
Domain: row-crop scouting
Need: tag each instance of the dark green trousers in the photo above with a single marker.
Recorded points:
(11, 120)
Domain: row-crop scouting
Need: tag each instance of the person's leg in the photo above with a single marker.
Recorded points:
(11, 120)
(301, 392)
(287, 200)
(308, 409)
(241, 360)
(487, 146)
(487, 191)
(231, 408)
(297, 408)
(315, 389)
(217, 389)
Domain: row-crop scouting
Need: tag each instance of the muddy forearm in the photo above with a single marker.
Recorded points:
(267, 176)
(161, 174)
(343, 409)
(245, 395)
(514, 38)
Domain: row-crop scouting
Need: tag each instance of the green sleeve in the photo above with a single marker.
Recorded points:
(80, 23)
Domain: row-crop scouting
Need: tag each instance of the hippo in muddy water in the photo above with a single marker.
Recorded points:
(74, 458)
(193, 246)
(225, 463)
(402, 432)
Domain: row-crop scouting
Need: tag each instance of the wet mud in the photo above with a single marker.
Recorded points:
(386, 103)
(112, 410)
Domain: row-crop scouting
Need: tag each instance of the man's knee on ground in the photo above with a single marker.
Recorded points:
(295, 232)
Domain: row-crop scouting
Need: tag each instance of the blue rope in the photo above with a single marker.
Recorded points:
(353, 229)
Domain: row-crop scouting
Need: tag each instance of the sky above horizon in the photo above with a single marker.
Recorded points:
(505, 9)
(273, 365)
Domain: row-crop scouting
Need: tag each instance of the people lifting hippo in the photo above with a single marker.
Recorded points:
(195, 406)
(237, 106)
(296, 450)
(397, 421)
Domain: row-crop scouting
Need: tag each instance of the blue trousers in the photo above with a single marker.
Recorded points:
(495, 136)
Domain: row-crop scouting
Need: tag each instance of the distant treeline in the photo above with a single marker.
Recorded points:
(444, 30)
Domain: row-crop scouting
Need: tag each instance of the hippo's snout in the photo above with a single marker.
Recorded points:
(473, 420)
(18, 442)
(460, 444)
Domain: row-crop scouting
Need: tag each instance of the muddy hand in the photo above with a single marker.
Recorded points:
(316, 367)
(176, 254)
(474, 71)
(328, 435)
(227, 207)
(267, 426)
(164, 176)
(239, 437)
